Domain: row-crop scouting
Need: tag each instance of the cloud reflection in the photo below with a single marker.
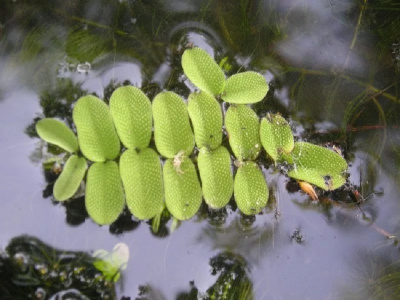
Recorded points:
(320, 34)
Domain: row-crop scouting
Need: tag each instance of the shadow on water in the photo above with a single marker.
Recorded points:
(333, 70)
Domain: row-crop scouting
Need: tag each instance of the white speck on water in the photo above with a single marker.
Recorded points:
(83, 68)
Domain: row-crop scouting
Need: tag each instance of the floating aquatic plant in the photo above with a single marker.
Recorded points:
(139, 180)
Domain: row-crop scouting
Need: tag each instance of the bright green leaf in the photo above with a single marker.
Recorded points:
(206, 115)
(203, 71)
(250, 189)
(143, 183)
(131, 112)
(172, 131)
(243, 127)
(96, 133)
(246, 87)
(57, 133)
(318, 165)
(104, 194)
(216, 176)
(70, 179)
(276, 136)
(182, 189)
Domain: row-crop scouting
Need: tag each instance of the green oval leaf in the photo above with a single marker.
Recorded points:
(250, 189)
(243, 127)
(246, 87)
(276, 136)
(96, 133)
(216, 176)
(71, 177)
(318, 165)
(182, 189)
(143, 184)
(203, 71)
(131, 112)
(172, 131)
(104, 194)
(206, 115)
(57, 133)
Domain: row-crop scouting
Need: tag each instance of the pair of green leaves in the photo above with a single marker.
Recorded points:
(175, 140)
(57, 133)
(100, 127)
(140, 167)
(311, 163)
(317, 165)
(207, 75)
(214, 161)
(250, 188)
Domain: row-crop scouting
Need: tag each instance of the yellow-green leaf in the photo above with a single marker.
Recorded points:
(172, 131)
(203, 71)
(250, 189)
(131, 112)
(57, 133)
(318, 165)
(206, 115)
(246, 87)
(276, 136)
(216, 176)
(97, 137)
(143, 184)
(70, 179)
(182, 189)
(104, 194)
(243, 127)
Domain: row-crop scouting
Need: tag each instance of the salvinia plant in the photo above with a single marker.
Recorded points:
(137, 177)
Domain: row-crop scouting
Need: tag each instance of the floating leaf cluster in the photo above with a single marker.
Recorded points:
(138, 179)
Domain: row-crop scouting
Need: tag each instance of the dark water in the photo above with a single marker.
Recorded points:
(333, 68)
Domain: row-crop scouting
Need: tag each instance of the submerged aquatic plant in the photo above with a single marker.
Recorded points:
(138, 178)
